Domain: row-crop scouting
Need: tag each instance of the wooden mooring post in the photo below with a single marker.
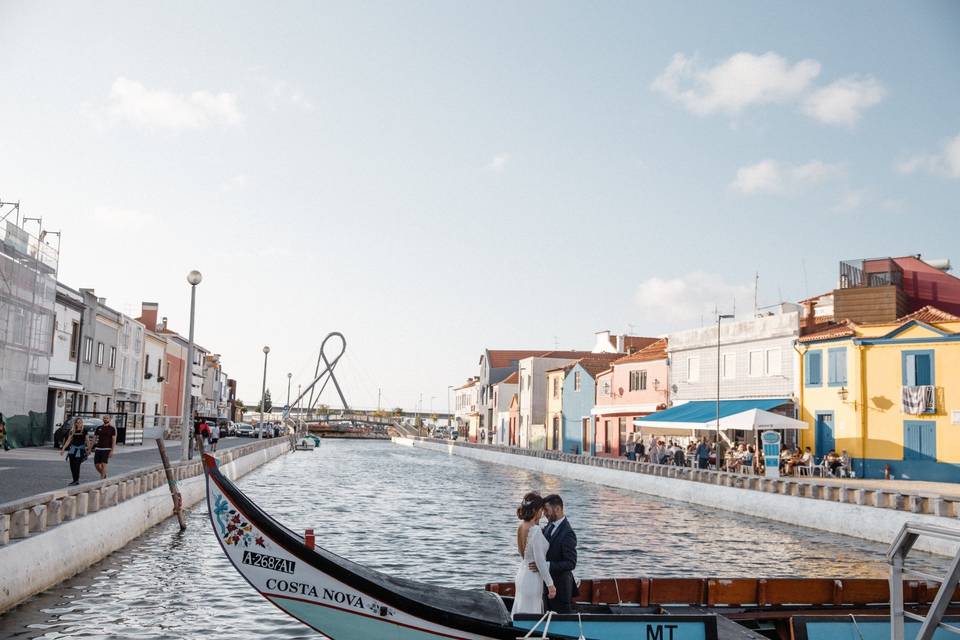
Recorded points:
(172, 483)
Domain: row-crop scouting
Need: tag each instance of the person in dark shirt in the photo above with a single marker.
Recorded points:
(106, 443)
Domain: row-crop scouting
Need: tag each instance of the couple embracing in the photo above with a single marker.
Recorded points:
(548, 557)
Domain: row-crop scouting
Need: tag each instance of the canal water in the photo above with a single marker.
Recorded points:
(422, 515)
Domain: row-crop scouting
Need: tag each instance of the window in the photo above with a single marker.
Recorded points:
(99, 354)
(138, 340)
(606, 388)
(920, 440)
(74, 340)
(576, 381)
(837, 367)
(556, 387)
(643, 380)
(146, 365)
(113, 357)
(773, 362)
(160, 367)
(87, 349)
(634, 380)
(728, 365)
(693, 369)
(813, 374)
(917, 368)
(755, 364)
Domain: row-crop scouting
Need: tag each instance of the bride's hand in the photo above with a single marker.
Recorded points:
(551, 592)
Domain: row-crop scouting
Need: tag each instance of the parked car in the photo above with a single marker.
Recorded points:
(265, 427)
(244, 430)
(89, 425)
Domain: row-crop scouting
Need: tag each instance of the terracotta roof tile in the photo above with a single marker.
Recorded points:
(844, 329)
(930, 314)
(500, 358)
(656, 350)
(513, 378)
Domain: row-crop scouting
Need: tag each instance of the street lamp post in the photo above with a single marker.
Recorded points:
(193, 278)
(720, 316)
(263, 389)
(289, 378)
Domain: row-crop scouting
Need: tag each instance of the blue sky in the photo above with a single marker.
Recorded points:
(434, 178)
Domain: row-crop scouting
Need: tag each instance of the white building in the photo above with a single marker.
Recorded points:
(154, 354)
(64, 385)
(128, 376)
(503, 393)
(756, 359)
(466, 407)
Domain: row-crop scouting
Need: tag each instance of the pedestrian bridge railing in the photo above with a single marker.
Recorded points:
(29, 516)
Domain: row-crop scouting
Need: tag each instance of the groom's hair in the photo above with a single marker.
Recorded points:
(554, 500)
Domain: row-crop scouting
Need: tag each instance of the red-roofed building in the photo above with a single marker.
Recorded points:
(634, 386)
(570, 394)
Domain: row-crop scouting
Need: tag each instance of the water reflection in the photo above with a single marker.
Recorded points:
(422, 515)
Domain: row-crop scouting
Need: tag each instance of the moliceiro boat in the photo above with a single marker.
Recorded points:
(347, 601)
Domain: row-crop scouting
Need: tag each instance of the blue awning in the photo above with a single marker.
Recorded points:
(702, 414)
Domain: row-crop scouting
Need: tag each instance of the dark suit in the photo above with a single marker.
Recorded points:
(562, 556)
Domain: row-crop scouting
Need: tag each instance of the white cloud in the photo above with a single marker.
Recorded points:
(121, 219)
(842, 101)
(156, 108)
(285, 93)
(690, 297)
(946, 162)
(742, 80)
(770, 176)
(851, 201)
(499, 162)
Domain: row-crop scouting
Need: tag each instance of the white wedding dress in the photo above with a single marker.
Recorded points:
(529, 585)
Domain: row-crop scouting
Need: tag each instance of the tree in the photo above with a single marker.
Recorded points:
(240, 407)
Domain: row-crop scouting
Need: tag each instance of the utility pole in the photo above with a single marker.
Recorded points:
(378, 399)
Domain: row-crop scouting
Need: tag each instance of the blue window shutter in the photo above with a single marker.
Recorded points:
(911, 441)
(909, 370)
(928, 441)
(831, 367)
(814, 368)
(924, 370)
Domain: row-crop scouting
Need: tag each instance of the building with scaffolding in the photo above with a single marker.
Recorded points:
(28, 289)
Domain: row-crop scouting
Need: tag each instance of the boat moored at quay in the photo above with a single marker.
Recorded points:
(344, 600)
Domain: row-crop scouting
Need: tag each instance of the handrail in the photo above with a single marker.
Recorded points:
(897, 556)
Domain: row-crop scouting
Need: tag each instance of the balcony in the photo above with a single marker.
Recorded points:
(919, 400)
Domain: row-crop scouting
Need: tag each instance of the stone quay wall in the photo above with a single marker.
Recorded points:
(866, 513)
(48, 538)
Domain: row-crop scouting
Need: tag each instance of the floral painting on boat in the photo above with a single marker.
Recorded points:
(233, 528)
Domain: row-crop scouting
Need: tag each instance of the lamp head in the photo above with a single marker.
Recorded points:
(266, 350)
(194, 278)
(289, 375)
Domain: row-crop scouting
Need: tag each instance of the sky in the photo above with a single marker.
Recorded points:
(436, 178)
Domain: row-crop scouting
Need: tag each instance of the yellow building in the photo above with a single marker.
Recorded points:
(888, 393)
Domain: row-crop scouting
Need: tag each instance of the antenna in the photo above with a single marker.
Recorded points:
(556, 343)
(803, 268)
(756, 288)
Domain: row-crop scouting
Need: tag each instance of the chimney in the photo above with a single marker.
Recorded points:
(102, 301)
(163, 324)
(811, 318)
(148, 315)
(620, 341)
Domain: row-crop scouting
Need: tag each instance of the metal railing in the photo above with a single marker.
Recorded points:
(896, 557)
(878, 273)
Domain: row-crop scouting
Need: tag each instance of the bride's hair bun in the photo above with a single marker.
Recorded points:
(532, 502)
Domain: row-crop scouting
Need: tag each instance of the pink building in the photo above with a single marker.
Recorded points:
(634, 386)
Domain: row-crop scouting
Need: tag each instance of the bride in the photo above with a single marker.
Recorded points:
(532, 545)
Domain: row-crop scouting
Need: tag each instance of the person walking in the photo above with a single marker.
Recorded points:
(703, 454)
(214, 436)
(77, 449)
(106, 443)
(3, 434)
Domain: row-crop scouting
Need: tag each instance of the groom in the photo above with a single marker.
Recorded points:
(562, 556)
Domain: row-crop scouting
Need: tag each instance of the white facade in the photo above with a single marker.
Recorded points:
(502, 395)
(532, 399)
(128, 376)
(66, 339)
(466, 403)
(757, 359)
(154, 354)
